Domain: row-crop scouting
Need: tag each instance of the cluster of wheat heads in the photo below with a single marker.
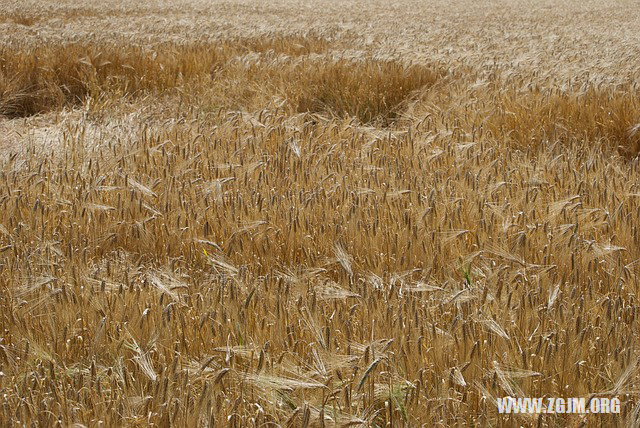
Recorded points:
(321, 241)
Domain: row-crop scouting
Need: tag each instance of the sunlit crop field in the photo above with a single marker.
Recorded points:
(330, 214)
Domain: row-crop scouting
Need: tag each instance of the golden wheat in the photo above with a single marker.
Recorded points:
(280, 228)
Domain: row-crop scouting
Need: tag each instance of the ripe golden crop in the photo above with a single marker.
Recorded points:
(313, 227)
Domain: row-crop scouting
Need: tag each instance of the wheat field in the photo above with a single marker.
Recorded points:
(338, 214)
